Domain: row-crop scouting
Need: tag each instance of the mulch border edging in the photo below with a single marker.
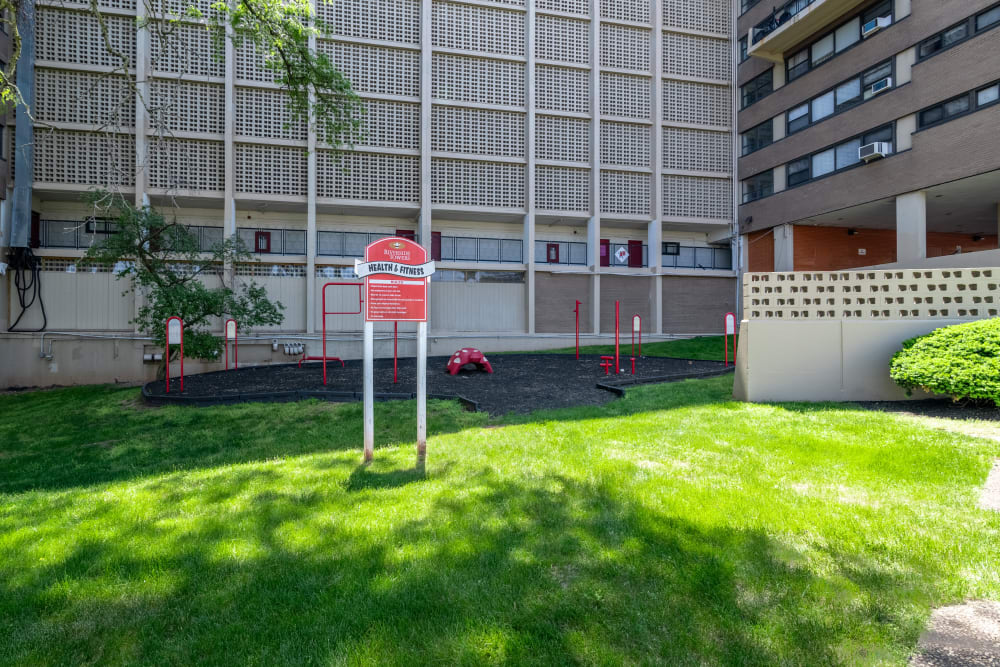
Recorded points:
(616, 387)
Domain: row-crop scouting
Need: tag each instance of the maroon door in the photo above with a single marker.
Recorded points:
(436, 246)
(36, 230)
(605, 252)
(552, 253)
(408, 234)
(635, 253)
(262, 241)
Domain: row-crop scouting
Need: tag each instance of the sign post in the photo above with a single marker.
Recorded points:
(175, 336)
(730, 330)
(232, 335)
(397, 274)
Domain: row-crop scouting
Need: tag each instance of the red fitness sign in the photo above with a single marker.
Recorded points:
(396, 273)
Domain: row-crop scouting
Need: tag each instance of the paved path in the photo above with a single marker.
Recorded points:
(966, 634)
(990, 499)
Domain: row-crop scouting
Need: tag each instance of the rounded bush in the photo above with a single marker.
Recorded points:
(962, 361)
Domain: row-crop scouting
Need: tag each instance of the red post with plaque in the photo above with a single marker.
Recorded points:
(397, 274)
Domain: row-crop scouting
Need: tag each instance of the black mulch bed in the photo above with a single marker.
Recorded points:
(937, 408)
(519, 383)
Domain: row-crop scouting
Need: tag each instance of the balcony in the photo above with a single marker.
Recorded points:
(791, 23)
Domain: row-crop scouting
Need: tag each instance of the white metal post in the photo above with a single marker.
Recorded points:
(369, 392)
(421, 393)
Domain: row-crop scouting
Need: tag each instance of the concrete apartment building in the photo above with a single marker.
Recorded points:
(545, 150)
(913, 80)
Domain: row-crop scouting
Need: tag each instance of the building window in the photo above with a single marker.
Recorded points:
(743, 50)
(747, 4)
(959, 106)
(758, 137)
(759, 186)
(798, 171)
(852, 92)
(834, 158)
(843, 37)
(757, 88)
(959, 32)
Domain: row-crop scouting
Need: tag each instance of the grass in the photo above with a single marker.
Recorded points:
(674, 526)
(703, 348)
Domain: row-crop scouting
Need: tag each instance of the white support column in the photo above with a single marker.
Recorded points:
(311, 192)
(654, 234)
(784, 248)
(229, 130)
(424, 226)
(998, 224)
(594, 224)
(911, 226)
(143, 68)
(528, 242)
(142, 85)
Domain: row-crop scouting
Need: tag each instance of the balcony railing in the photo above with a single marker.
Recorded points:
(690, 257)
(273, 241)
(81, 234)
(779, 17)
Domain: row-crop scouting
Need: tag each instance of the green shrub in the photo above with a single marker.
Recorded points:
(962, 361)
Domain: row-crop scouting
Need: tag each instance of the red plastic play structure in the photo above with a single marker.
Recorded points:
(468, 355)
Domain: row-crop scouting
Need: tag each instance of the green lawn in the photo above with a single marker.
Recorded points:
(708, 348)
(674, 526)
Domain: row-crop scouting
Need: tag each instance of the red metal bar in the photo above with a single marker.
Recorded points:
(633, 365)
(236, 348)
(324, 336)
(617, 367)
(182, 355)
(166, 351)
(395, 350)
(577, 311)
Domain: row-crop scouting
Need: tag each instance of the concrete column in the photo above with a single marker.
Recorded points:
(594, 224)
(143, 68)
(998, 224)
(911, 226)
(654, 231)
(424, 223)
(784, 248)
(528, 242)
(311, 192)
(654, 239)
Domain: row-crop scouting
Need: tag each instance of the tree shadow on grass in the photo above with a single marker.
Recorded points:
(75, 437)
(363, 477)
(543, 570)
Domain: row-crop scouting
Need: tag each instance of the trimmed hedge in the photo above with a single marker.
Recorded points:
(962, 361)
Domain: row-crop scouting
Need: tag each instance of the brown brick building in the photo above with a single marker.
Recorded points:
(869, 131)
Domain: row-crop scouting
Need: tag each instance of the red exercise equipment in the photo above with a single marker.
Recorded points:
(468, 355)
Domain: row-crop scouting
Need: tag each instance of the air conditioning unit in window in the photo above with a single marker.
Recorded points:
(880, 86)
(874, 151)
(875, 25)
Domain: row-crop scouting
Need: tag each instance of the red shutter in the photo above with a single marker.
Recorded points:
(635, 254)
(605, 252)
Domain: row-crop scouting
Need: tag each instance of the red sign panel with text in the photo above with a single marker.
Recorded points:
(396, 273)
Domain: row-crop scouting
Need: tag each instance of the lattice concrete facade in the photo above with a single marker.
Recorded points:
(830, 336)
(548, 122)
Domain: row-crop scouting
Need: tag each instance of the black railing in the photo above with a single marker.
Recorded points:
(691, 257)
(779, 17)
(81, 234)
(471, 249)
(273, 241)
